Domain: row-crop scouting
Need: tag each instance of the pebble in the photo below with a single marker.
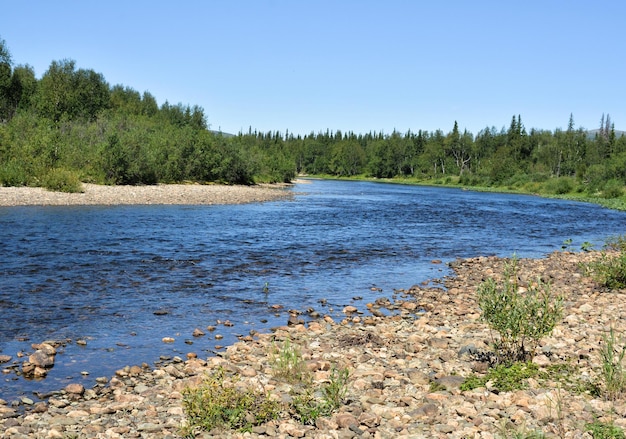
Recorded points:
(405, 369)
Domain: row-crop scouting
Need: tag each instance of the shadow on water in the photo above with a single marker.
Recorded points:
(122, 278)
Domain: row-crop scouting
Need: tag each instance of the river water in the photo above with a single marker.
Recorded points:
(123, 277)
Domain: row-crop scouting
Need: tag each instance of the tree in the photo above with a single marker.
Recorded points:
(5, 81)
(459, 147)
(70, 93)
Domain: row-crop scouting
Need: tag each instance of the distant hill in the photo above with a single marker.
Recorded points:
(591, 134)
(220, 133)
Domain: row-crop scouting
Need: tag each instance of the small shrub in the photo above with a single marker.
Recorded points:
(521, 319)
(610, 270)
(287, 363)
(603, 430)
(13, 174)
(613, 189)
(559, 185)
(308, 408)
(62, 180)
(335, 390)
(617, 243)
(505, 378)
(613, 373)
(216, 404)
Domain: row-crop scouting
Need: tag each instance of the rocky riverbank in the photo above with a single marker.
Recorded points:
(94, 194)
(407, 355)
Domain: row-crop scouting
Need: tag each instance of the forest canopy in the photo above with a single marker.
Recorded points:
(72, 126)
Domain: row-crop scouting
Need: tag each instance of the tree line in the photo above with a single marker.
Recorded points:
(71, 125)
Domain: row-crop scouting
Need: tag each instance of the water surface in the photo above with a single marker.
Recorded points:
(100, 273)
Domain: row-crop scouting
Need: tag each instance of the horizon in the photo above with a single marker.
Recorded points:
(359, 67)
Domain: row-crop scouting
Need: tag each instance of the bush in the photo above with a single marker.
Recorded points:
(603, 430)
(505, 378)
(62, 180)
(613, 189)
(609, 271)
(559, 186)
(521, 319)
(307, 407)
(287, 363)
(217, 404)
(13, 174)
(613, 373)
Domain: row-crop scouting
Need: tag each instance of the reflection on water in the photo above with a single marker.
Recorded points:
(122, 278)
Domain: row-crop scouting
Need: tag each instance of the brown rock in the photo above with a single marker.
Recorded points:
(41, 359)
(75, 389)
(345, 420)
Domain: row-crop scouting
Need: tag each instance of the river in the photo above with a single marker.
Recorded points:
(121, 278)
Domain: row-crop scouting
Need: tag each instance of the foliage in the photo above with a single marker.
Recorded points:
(609, 270)
(73, 119)
(334, 392)
(308, 403)
(307, 407)
(217, 404)
(617, 243)
(62, 180)
(559, 185)
(287, 363)
(504, 377)
(520, 318)
(613, 373)
(13, 173)
(604, 430)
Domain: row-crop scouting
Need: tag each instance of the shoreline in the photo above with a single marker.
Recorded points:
(161, 194)
(405, 369)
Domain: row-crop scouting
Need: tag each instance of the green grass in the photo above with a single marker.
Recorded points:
(218, 405)
(604, 430)
(504, 378)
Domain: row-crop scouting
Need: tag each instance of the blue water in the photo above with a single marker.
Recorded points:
(100, 273)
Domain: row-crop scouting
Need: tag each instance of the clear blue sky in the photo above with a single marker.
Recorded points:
(359, 66)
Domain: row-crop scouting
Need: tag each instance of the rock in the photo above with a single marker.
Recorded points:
(198, 332)
(392, 363)
(345, 420)
(350, 309)
(168, 340)
(5, 358)
(41, 359)
(75, 389)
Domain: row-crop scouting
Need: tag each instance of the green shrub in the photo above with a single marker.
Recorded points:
(613, 373)
(62, 180)
(521, 319)
(287, 363)
(216, 404)
(559, 185)
(505, 378)
(603, 430)
(13, 174)
(307, 408)
(613, 189)
(610, 270)
(617, 243)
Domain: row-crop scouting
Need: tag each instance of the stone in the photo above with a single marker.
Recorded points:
(345, 420)
(5, 358)
(168, 340)
(198, 332)
(41, 359)
(75, 389)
